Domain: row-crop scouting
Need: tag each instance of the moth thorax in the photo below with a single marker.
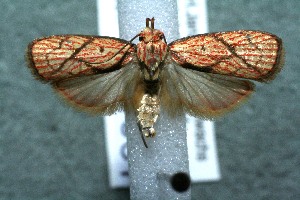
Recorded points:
(151, 54)
(147, 114)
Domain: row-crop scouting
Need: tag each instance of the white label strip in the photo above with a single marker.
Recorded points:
(108, 26)
(202, 150)
(201, 137)
(116, 148)
(203, 160)
(192, 17)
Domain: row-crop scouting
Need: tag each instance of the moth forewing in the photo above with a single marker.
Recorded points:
(245, 54)
(65, 56)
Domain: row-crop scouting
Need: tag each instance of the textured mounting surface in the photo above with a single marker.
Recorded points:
(167, 152)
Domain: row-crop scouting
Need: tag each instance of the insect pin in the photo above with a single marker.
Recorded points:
(203, 75)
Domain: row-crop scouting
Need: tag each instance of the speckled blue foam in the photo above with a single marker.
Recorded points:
(151, 168)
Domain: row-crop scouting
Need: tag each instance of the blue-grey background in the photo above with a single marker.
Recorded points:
(50, 151)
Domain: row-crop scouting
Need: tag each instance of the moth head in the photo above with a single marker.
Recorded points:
(150, 34)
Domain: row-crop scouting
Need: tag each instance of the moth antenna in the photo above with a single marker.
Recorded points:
(147, 22)
(128, 43)
(165, 39)
(152, 23)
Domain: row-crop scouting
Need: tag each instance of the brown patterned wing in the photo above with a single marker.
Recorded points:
(63, 56)
(246, 54)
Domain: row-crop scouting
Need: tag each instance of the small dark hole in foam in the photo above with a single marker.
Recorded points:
(180, 182)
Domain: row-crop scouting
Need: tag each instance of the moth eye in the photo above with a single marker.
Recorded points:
(141, 38)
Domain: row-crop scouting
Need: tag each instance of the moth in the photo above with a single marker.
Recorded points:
(203, 75)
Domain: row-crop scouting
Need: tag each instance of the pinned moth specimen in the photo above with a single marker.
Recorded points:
(203, 75)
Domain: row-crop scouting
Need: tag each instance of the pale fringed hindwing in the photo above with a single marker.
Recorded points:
(200, 94)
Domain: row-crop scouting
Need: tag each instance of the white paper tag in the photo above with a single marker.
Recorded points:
(203, 159)
(116, 149)
(201, 136)
(202, 150)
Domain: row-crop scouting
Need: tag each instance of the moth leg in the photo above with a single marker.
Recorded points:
(142, 135)
(147, 132)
